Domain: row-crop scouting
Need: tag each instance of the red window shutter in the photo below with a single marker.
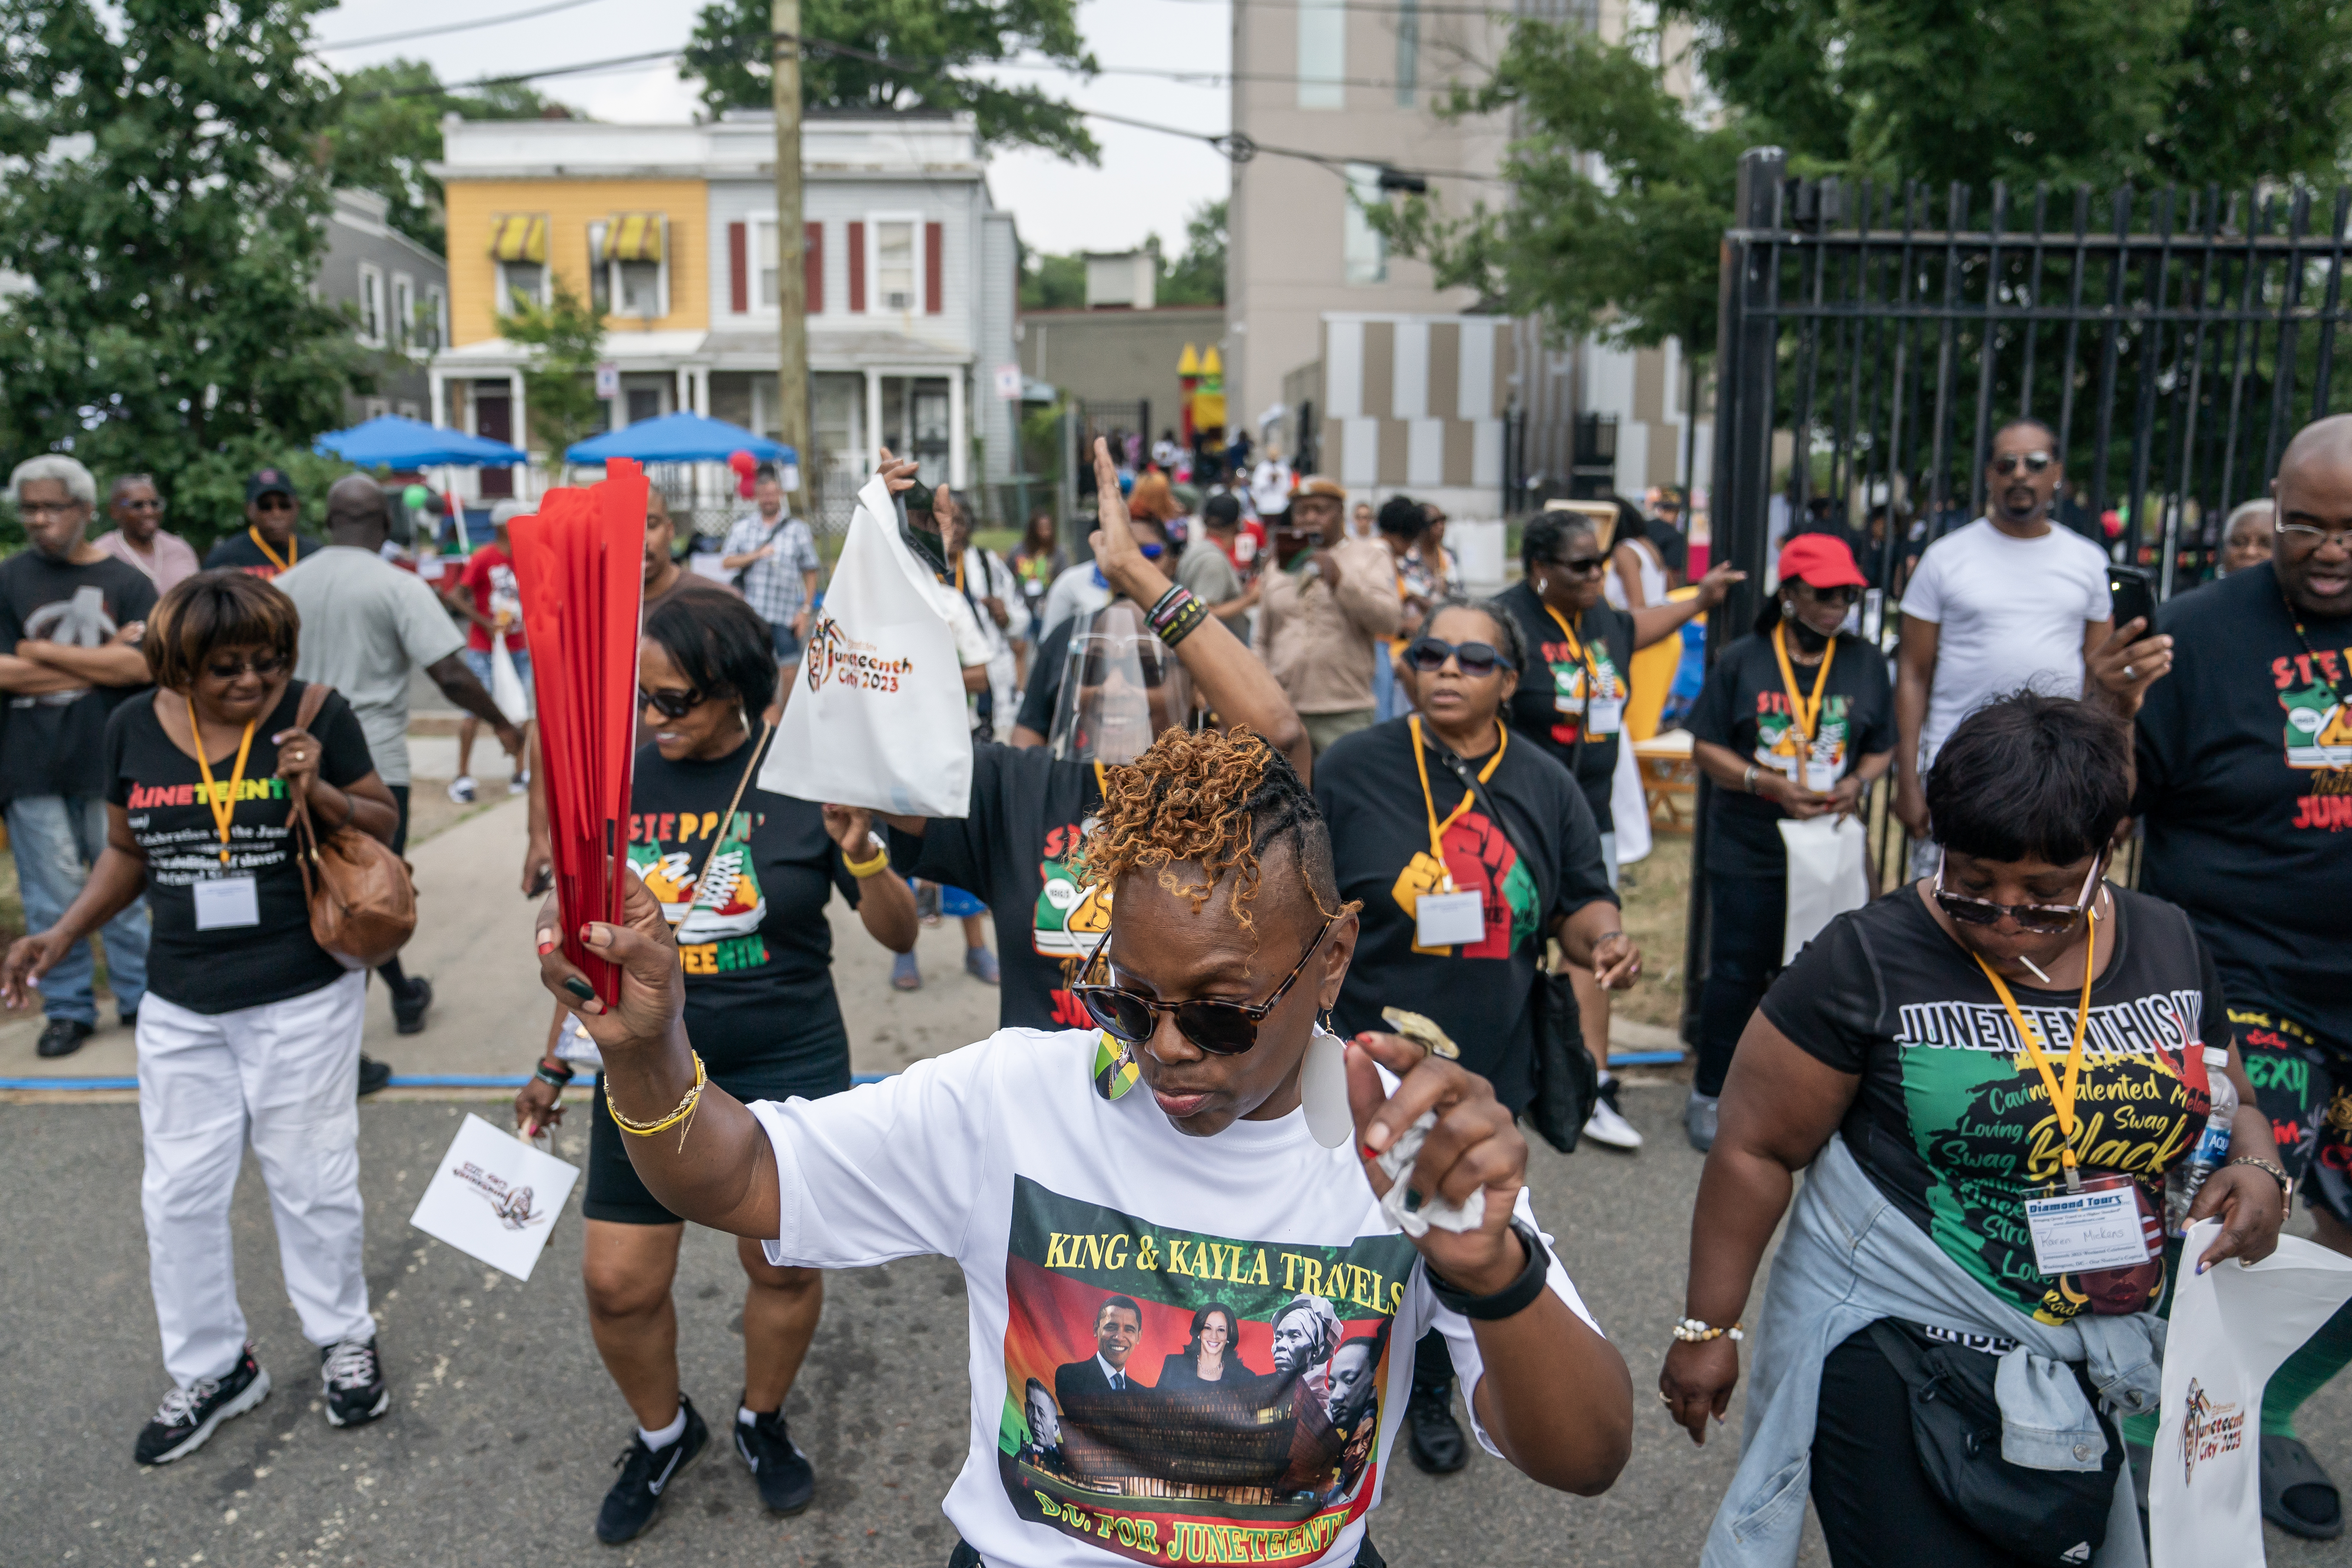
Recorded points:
(739, 272)
(934, 243)
(857, 267)
(813, 267)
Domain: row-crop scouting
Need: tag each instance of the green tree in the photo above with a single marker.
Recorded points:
(1198, 277)
(1052, 282)
(387, 127)
(165, 209)
(559, 387)
(927, 42)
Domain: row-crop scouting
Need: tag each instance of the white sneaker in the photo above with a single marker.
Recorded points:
(1607, 1125)
(519, 784)
(461, 789)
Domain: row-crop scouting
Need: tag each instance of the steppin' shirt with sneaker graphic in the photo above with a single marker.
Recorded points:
(746, 898)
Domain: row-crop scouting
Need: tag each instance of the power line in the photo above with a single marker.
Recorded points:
(435, 32)
(490, 81)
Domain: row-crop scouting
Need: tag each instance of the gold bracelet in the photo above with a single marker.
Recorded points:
(685, 1108)
(862, 869)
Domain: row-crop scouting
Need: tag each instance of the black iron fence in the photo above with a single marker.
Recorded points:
(1875, 336)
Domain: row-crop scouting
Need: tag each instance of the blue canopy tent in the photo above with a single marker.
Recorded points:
(679, 438)
(390, 441)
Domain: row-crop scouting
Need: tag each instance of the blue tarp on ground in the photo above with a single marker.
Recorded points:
(679, 438)
(390, 441)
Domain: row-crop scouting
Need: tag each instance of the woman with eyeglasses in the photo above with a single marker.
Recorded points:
(1571, 703)
(249, 1032)
(2009, 1029)
(1795, 721)
(742, 877)
(1469, 850)
(1200, 1141)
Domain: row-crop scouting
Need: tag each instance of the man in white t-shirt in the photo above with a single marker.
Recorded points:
(2010, 601)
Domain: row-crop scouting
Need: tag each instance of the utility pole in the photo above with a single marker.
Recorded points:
(792, 247)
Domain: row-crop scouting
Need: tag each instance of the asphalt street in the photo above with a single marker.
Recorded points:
(503, 1426)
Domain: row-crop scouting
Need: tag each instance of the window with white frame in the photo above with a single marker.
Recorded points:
(518, 255)
(763, 264)
(403, 312)
(435, 325)
(371, 304)
(898, 264)
(1322, 54)
(1365, 248)
(631, 252)
(521, 280)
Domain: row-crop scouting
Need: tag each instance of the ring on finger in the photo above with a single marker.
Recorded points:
(2130, 674)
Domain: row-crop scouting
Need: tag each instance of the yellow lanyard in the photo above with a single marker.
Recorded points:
(223, 807)
(1576, 650)
(293, 550)
(1807, 716)
(1102, 783)
(1429, 803)
(2062, 1101)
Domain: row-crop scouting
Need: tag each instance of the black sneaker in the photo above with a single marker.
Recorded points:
(187, 1415)
(1437, 1446)
(374, 1075)
(354, 1379)
(128, 1020)
(635, 1500)
(408, 1006)
(786, 1479)
(63, 1036)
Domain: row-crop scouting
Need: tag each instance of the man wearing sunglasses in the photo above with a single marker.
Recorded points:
(2245, 787)
(139, 535)
(271, 541)
(2010, 603)
(71, 619)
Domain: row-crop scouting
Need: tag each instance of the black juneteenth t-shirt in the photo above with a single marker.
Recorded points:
(1017, 852)
(1953, 1121)
(162, 789)
(54, 744)
(1745, 707)
(1551, 703)
(2245, 786)
(238, 549)
(1539, 862)
(745, 898)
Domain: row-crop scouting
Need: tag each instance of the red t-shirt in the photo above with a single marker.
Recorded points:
(490, 578)
(1247, 548)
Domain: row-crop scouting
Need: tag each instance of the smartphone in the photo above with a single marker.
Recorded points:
(2133, 588)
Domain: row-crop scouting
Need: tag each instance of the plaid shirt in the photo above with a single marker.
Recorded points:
(773, 587)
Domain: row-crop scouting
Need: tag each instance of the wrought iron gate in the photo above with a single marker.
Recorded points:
(1873, 336)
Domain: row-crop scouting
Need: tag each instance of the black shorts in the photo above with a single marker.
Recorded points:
(2303, 1082)
(614, 1191)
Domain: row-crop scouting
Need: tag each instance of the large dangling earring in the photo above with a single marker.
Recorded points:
(1115, 1068)
(1323, 1087)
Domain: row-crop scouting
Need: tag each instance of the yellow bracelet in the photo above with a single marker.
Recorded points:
(862, 869)
(685, 1108)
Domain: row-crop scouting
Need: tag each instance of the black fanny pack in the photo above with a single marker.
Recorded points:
(2055, 1517)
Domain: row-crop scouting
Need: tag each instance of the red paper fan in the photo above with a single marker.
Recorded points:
(579, 566)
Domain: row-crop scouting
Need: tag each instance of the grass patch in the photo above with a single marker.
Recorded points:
(1657, 894)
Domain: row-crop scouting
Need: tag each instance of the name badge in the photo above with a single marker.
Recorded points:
(1449, 919)
(225, 902)
(2080, 1233)
(1822, 777)
(1605, 716)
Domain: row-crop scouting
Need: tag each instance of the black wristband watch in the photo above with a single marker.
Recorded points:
(1512, 1299)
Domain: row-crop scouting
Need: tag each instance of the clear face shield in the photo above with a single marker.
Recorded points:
(1121, 689)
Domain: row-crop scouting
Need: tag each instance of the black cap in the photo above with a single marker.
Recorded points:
(1222, 510)
(266, 481)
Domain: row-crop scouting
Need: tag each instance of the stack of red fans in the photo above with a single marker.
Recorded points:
(579, 566)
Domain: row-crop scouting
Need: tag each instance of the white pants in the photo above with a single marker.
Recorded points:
(286, 1076)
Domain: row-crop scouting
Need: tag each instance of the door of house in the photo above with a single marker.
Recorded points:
(494, 419)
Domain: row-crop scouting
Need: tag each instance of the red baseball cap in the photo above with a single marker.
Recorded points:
(1822, 561)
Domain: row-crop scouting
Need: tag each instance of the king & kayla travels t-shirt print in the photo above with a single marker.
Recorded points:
(1953, 1121)
(1181, 1350)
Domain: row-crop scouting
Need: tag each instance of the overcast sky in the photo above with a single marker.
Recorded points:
(1146, 182)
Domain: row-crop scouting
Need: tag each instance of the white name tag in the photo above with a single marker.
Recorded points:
(2081, 1233)
(1605, 716)
(1820, 778)
(225, 902)
(1449, 919)
(430, 567)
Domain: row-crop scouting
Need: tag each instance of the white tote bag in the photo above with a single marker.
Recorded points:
(507, 689)
(1829, 873)
(2231, 1326)
(879, 720)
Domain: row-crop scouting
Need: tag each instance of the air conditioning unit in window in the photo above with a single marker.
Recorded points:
(899, 301)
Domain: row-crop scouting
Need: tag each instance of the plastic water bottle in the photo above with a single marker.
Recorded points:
(2187, 1179)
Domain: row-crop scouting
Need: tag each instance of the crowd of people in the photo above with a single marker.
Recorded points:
(1272, 819)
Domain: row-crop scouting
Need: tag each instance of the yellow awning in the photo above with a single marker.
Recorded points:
(634, 236)
(519, 237)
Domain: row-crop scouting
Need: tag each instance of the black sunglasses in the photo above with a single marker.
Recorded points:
(1428, 654)
(273, 500)
(2048, 919)
(2035, 462)
(264, 665)
(1840, 595)
(1219, 1029)
(1582, 565)
(669, 704)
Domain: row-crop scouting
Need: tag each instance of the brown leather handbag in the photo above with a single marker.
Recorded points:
(363, 896)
